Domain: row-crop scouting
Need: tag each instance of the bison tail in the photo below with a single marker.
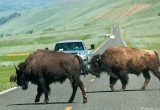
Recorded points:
(81, 64)
(157, 57)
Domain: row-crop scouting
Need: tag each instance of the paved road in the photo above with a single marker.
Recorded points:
(99, 95)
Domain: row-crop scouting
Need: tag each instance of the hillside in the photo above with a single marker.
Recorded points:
(41, 18)
(22, 4)
(70, 14)
(76, 19)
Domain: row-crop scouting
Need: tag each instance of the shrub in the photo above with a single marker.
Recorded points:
(29, 31)
(8, 34)
(48, 29)
(1, 35)
(86, 24)
(3, 20)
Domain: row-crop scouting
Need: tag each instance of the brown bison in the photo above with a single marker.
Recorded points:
(13, 78)
(43, 67)
(119, 61)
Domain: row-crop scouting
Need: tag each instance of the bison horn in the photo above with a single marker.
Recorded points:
(16, 67)
(99, 58)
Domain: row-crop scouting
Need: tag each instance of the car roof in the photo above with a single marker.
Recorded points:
(66, 41)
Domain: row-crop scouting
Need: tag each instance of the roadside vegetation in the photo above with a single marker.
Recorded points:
(6, 72)
(142, 29)
(36, 29)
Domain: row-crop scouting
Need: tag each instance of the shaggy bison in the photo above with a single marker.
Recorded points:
(43, 67)
(119, 61)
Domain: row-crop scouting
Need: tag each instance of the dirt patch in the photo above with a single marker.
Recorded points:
(134, 8)
(100, 15)
(119, 12)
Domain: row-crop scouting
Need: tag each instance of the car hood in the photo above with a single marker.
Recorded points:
(76, 52)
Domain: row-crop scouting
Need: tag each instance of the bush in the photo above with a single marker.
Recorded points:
(30, 31)
(5, 19)
(159, 14)
(48, 29)
(86, 24)
(1, 35)
(8, 34)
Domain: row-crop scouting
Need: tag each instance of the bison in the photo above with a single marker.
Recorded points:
(44, 67)
(118, 61)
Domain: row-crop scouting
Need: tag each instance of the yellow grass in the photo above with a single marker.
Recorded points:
(18, 54)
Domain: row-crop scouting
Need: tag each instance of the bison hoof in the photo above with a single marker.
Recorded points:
(37, 100)
(122, 90)
(112, 89)
(85, 101)
(45, 102)
(141, 89)
(70, 101)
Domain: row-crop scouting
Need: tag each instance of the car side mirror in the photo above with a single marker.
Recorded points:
(46, 48)
(92, 47)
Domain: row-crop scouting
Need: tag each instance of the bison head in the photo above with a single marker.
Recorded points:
(21, 78)
(96, 65)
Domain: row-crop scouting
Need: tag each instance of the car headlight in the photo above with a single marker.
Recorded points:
(84, 58)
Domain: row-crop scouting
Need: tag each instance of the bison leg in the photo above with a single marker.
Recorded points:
(46, 99)
(46, 94)
(147, 78)
(74, 87)
(112, 83)
(156, 73)
(124, 81)
(45, 88)
(39, 93)
(81, 86)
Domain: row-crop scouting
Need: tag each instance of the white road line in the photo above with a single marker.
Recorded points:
(100, 46)
(3, 92)
(121, 37)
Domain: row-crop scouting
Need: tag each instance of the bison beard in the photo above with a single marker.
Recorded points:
(43, 67)
(13, 78)
(119, 61)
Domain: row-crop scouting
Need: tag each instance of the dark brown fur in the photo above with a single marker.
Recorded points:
(43, 67)
(13, 78)
(119, 61)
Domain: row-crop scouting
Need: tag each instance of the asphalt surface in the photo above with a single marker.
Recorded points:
(98, 92)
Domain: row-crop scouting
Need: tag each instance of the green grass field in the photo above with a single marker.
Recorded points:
(5, 74)
(139, 21)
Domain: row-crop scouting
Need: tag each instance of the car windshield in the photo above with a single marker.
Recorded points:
(69, 46)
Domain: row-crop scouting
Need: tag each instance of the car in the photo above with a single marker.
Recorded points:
(112, 36)
(76, 47)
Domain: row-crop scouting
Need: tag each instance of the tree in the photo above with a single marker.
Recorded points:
(29, 31)
(5, 19)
